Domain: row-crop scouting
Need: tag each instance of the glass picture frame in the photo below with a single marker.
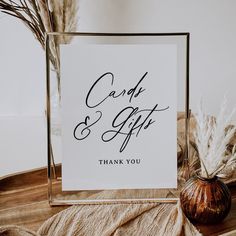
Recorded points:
(57, 53)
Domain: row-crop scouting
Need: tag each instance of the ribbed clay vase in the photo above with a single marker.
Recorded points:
(206, 201)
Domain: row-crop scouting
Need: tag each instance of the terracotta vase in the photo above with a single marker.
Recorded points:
(206, 201)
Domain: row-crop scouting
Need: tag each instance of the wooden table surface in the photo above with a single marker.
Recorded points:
(23, 202)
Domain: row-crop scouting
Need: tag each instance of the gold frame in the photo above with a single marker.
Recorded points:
(50, 160)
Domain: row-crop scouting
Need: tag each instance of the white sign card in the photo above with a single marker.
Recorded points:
(119, 116)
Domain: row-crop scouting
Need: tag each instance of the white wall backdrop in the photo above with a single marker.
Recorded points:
(212, 24)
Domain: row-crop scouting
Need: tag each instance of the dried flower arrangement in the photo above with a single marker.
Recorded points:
(212, 137)
(204, 197)
(42, 16)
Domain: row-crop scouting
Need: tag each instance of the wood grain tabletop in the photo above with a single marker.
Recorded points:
(23, 202)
